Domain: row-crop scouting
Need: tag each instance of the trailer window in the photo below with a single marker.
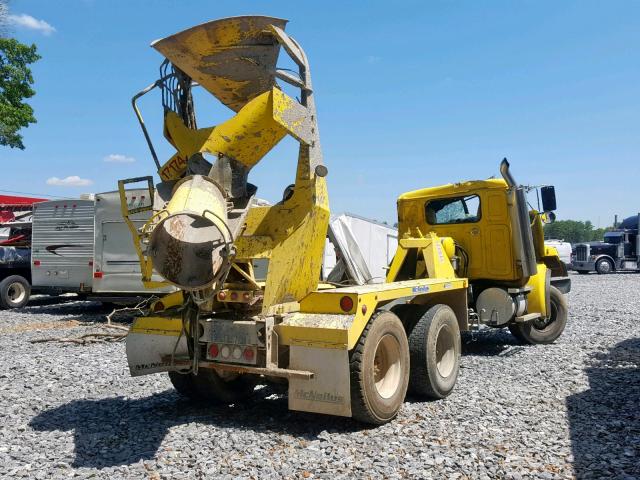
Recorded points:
(453, 210)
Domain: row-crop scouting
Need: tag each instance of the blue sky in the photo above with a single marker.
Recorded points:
(409, 95)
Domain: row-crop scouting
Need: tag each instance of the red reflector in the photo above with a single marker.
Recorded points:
(246, 295)
(213, 350)
(222, 296)
(97, 275)
(346, 303)
(248, 354)
(364, 309)
(158, 306)
(36, 263)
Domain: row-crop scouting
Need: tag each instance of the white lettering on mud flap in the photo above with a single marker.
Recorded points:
(145, 352)
(329, 390)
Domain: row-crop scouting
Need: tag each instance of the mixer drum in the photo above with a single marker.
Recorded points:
(188, 246)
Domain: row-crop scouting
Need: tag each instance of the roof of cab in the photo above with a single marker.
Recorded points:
(451, 189)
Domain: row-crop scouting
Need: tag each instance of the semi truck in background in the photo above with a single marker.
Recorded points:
(80, 246)
(618, 252)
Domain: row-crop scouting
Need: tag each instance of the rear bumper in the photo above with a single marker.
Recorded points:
(562, 283)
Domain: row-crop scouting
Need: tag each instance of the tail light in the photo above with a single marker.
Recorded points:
(213, 350)
(346, 304)
(249, 354)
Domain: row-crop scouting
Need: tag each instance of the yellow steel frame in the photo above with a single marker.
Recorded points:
(335, 328)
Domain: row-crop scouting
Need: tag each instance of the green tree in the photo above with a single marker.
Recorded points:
(15, 87)
(574, 231)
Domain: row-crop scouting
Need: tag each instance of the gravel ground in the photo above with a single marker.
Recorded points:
(566, 410)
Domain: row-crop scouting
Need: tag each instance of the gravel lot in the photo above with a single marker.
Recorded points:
(566, 410)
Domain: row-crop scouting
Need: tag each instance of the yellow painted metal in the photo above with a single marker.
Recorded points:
(537, 232)
(488, 241)
(449, 246)
(168, 301)
(292, 236)
(433, 261)
(232, 58)
(322, 308)
(246, 137)
(154, 325)
(201, 200)
(537, 297)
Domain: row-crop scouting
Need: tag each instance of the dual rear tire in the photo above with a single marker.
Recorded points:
(212, 387)
(385, 363)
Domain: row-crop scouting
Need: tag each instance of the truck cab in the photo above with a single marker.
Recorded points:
(497, 243)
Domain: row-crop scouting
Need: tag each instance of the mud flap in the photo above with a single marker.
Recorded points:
(150, 341)
(329, 390)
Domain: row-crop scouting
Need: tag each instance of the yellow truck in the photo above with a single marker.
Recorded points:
(469, 253)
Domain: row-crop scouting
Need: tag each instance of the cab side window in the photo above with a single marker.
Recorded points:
(453, 210)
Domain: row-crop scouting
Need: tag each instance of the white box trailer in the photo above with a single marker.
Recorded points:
(62, 245)
(85, 246)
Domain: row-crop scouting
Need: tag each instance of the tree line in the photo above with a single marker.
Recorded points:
(574, 231)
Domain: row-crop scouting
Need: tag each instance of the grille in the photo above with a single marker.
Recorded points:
(582, 253)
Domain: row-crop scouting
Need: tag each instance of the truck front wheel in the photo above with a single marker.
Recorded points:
(435, 348)
(543, 331)
(604, 266)
(379, 366)
(14, 292)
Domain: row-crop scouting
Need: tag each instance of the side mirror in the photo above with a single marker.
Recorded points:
(548, 195)
(549, 217)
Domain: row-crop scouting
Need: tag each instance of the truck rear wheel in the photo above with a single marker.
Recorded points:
(184, 384)
(543, 331)
(435, 348)
(210, 386)
(14, 292)
(379, 366)
(223, 388)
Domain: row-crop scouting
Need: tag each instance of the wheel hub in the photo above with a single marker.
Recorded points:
(386, 366)
(16, 292)
(445, 351)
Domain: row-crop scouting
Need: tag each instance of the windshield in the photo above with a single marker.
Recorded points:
(613, 237)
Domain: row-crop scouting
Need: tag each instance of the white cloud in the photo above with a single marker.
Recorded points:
(118, 158)
(71, 181)
(27, 21)
(371, 59)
